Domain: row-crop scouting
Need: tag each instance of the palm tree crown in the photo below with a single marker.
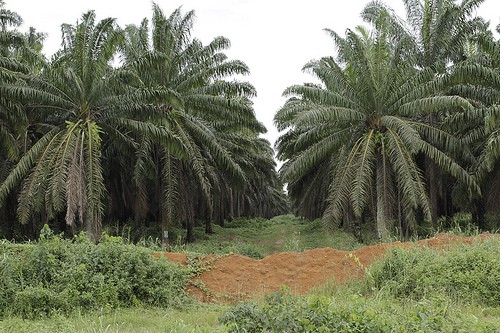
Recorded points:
(78, 96)
(361, 129)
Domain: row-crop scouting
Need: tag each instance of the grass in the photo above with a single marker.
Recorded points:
(257, 238)
(200, 318)
(374, 303)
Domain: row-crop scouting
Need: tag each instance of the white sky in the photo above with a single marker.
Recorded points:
(275, 38)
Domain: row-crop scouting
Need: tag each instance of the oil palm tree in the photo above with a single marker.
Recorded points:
(187, 82)
(262, 193)
(10, 110)
(87, 106)
(478, 79)
(438, 31)
(9, 36)
(360, 129)
(13, 119)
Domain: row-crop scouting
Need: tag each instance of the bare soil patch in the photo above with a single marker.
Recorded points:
(235, 277)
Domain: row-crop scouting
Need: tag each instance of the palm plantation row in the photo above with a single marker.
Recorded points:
(147, 123)
(402, 127)
(164, 136)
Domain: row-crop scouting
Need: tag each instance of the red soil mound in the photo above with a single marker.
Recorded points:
(236, 277)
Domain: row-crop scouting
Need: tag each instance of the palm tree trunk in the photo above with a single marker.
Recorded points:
(478, 213)
(238, 204)
(357, 228)
(164, 229)
(381, 217)
(189, 226)
(207, 216)
(231, 204)
(400, 216)
(7, 220)
(382, 198)
(165, 218)
(219, 211)
(433, 179)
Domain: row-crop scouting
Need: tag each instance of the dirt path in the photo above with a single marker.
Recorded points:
(236, 277)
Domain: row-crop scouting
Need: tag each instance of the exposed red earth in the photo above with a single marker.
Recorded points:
(235, 277)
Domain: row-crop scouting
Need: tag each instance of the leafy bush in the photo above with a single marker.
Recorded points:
(58, 275)
(354, 313)
(466, 273)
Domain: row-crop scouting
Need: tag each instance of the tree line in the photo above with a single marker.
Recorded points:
(402, 128)
(142, 123)
(146, 123)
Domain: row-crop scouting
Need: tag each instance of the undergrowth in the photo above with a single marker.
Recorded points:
(466, 273)
(62, 285)
(197, 318)
(257, 238)
(410, 290)
(282, 312)
(56, 275)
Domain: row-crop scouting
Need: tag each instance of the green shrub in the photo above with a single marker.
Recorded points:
(285, 313)
(282, 312)
(58, 275)
(466, 273)
(247, 249)
(40, 301)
